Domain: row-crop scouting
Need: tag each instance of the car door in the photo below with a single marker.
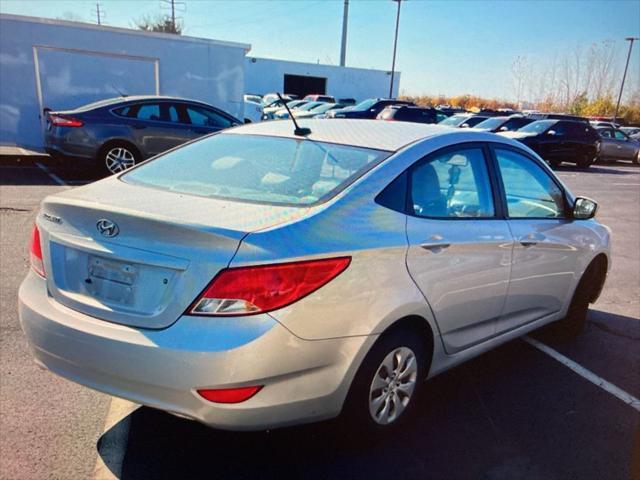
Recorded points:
(544, 253)
(459, 248)
(203, 120)
(626, 149)
(608, 147)
(556, 142)
(155, 126)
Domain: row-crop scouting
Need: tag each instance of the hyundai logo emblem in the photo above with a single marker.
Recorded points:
(107, 227)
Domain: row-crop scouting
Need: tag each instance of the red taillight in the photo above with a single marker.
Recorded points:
(229, 395)
(35, 252)
(263, 288)
(64, 121)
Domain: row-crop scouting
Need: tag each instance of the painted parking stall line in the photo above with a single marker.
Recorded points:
(617, 392)
(51, 175)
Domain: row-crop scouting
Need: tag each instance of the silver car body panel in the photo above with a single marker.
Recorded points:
(483, 290)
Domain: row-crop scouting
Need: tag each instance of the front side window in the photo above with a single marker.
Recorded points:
(257, 168)
(538, 126)
(619, 135)
(530, 191)
(454, 184)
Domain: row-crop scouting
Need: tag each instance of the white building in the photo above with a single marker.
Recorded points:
(60, 65)
(264, 75)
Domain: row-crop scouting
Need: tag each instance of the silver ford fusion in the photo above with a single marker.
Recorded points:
(256, 279)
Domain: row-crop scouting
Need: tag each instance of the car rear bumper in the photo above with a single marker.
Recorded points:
(303, 380)
(73, 142)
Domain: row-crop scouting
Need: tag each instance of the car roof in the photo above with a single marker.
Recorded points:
(375, 134)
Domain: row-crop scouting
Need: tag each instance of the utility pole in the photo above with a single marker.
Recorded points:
(624, 75)
(173, 5)
(343, 48)
(395, 45)
(98, 13)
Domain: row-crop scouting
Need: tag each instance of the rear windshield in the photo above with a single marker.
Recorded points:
(256, 168)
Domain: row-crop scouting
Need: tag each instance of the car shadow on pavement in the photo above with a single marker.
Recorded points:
(511, 413)
(42, 170)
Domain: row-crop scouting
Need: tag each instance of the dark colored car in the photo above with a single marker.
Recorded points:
(408, 113)
(617, 145)
(347, 102)
(463, 120)
(369, 108)
(503, 124)
(557, 116)
(560, 141)
(120, 132)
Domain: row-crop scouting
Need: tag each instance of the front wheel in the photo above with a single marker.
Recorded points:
(586, 161)
(637, 159)
(384, 391)
(117, 157)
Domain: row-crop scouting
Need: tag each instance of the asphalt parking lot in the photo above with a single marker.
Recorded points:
(515, 412)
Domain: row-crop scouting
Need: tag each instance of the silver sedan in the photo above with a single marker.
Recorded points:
(257, 278)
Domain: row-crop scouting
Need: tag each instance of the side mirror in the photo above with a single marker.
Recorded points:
(584, 208)
(464, 125)
(551, 132)
(503, 129)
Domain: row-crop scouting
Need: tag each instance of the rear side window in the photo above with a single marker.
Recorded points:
(530, 191)
(454, 184)
(206, 118)
(257, 168)
(149, 111)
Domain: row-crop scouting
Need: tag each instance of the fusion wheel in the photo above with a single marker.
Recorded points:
(118, 158)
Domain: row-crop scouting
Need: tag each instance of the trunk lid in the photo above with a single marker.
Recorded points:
(164, 250)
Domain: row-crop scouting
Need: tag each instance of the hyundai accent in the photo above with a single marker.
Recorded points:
(255, 278)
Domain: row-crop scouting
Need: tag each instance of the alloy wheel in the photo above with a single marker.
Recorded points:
(118, 159)
(393, 386)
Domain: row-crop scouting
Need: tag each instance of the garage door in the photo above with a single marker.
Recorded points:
(68, 79)
(302, 85)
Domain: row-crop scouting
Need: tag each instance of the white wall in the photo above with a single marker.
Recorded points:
(266, 75)
(81, 63)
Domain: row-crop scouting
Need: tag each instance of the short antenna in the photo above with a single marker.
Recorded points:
(302, 132)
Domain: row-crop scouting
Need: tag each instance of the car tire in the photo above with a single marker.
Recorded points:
(573, 323)
(116, 157)
(554, 163)
(637, 159)
(586, 161)
(389, 393)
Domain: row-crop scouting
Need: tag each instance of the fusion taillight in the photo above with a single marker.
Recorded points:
(229, 395)
(35, 252)
(64, 121)
(263, 288)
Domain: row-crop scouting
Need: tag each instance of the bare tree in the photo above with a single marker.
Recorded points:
(519, 73)
(161, 23)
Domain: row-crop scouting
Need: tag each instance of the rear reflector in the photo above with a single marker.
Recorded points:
(263, 288)
(64, 121)
(229, 395)
(35, 252)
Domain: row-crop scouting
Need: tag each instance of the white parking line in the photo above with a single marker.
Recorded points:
(52, 175)
(114, 445)
(627, 398)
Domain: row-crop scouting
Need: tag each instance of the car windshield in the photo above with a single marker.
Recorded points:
(364, 105)
(326, 107)
(454, 120)
(310, 106)
(537, 127)
(490, 123)
(296, 103)
(257, 168)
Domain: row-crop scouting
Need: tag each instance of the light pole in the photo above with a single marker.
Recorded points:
(624, 75)
(395, 45)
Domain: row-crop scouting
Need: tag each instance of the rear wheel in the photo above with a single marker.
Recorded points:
(637, 159)
(383, 393)
(117, 157)
(554, 163)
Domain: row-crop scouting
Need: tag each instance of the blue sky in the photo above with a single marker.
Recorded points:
(445, 47)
